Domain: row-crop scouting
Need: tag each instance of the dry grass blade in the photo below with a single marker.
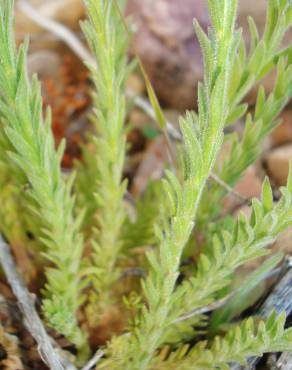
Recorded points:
(93, 361)
(285, 361)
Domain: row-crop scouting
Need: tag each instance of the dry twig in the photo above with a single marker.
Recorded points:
(228, 188)
(285, 361)
(211, 307)
(95, 359)
(32, 320)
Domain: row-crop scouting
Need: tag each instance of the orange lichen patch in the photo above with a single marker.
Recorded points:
(69, 98)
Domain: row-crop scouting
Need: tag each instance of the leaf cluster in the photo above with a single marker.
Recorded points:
(70, 212)
(32, 150)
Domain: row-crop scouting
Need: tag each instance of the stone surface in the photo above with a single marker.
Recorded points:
(246, 210)
(45, 63)
(136, 84)
(68, 12)
(249, 186)
(283, 133)
(139, 119)
(167, 46)
(277, 162)
(284, 242)
(151, 166)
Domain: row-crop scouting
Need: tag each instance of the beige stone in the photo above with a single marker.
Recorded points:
(151, 166)
(166, 43)
(284, 242)
(139, 119)
(283, 133)
(136, 84)
(277, 162)
(68, 12)
(249, 186)
(44, 63)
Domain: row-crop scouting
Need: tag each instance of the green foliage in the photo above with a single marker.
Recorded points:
(108, 42)
(245, 294)
(248, 69)
(32, 150)
(168, 310)
(139, 233)
(12, 225)
(263, 54)
(243, 341)
(230, 250)
(200, 152)
(245, 151)
(202, 144)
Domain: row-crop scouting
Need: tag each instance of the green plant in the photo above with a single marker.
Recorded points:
(165, 311)
(31, 149)
(241, 342)
(109, 43)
